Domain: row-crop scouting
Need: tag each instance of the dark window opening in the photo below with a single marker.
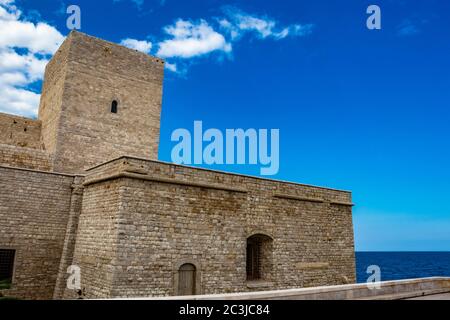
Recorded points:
(259, 257)
(253, 259)
(6, 267)
(186, 279)
(114, 105)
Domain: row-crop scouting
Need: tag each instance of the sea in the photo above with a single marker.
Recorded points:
(403, 265)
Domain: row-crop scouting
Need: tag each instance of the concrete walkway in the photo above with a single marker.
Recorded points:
(434, 288)
(442, 296)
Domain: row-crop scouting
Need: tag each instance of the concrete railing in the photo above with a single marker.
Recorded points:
(390, 290)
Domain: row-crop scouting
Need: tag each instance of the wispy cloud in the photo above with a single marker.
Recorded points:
(62, 9)
(193, 39)
(171, 66)
(414, 25)
(237, 23)
(25, 48)
(26, 45)
(189, 39)
(139, 45)
(408, 28)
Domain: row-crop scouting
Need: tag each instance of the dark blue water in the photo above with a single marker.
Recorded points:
(403, 265)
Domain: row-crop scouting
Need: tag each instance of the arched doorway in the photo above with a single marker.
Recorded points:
(186, 279)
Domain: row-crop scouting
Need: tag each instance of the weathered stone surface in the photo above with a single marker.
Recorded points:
(34, 208)
(20, 131)
(130, 222)
(13, 156)
(150, 221)
(84, 77)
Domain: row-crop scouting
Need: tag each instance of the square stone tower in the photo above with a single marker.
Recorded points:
(100, 101)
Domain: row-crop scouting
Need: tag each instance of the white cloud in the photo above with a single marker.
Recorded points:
(171, 66)
(39, 38)
(28, 64)
(300, 29)
(19, 69)
(13, 78)
(18, 101)
(6, 2)
(143, 46)
(249, 23)
(238, 22)
(232, 29)
(191, 39)
(26, 47)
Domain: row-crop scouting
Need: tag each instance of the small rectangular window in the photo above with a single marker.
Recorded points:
(6, 267)
(114, 105)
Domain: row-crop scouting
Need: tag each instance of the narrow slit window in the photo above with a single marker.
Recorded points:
(114, 106)
(6, 267)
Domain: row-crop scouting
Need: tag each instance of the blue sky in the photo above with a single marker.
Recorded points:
(358, 109)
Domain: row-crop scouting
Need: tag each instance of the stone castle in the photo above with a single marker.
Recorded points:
(81, 185)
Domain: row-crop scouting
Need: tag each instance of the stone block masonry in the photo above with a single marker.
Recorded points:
(20, 131)
(13, 156)
(34, 211)
(81, 82)
(81, 186)
(152, 217)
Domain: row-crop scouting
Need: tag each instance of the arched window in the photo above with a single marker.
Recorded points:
(186, 279)
(114, 106)
(259, 257)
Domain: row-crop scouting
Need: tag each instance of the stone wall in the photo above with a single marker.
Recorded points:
(153, 216)
(20, 131)
(20, 157)
(51, 102)
(76, 202)
(96, 240)
(34, 211)
(131, 223)
(81, 82)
